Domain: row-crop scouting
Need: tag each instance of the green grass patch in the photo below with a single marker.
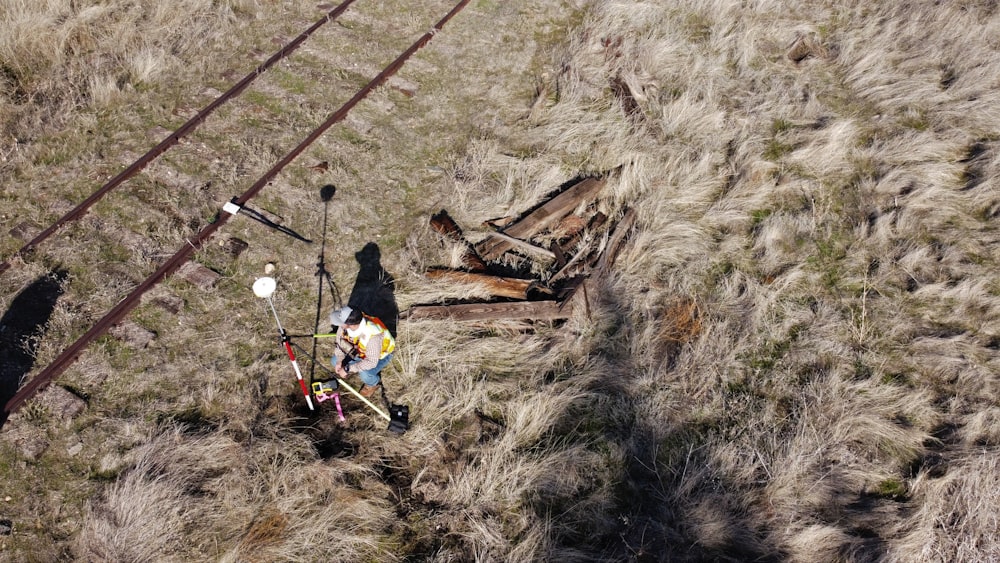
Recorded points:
(294, 83)
(698, 27)
(776, 149)
(779, 126)
(118, 353)
(757, 216)
(270, 103)
(914, 118)
(892, 488)
(764, 358)
(356, 139)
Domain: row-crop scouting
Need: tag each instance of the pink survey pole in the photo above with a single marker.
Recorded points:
(264, 287)
(298, 373)
(340, 411)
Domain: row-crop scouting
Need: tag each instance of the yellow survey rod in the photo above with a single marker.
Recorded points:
(365, 400)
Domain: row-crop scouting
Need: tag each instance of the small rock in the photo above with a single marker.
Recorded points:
(268, 268)
(170, 303)
(407, 88)
(132, 333)
(235, 246)
(62, 402)
(75, 449)
(24, 230)
(6, 526)
(158, 132)
(32, 447)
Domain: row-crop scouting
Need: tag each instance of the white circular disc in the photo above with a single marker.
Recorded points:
(264, 287)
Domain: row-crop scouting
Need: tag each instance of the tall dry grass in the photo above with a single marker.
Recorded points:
(60, 55)
(827, 218)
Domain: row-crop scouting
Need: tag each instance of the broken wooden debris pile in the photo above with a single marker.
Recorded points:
(567, 245)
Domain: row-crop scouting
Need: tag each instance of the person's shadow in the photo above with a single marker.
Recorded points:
(374, 288)
(20, 328)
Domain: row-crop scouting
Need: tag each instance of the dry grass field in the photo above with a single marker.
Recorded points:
(794, 358)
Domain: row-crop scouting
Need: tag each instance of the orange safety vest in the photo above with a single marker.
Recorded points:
(367, 328)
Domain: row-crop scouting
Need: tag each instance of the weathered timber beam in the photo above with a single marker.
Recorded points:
(533, 310)
(556, 208)
(496, 285)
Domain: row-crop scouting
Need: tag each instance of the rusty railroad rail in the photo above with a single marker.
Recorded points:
(70, 354)
(173, 138)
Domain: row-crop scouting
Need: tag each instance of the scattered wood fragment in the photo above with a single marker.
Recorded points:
(498, 222)
(595, 223)
(446, 226)
(805, 46)
(560, 255)
(568, 226)
(569, 266)
(621, 231)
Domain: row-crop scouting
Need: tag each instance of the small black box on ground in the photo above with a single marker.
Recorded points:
(399, 418)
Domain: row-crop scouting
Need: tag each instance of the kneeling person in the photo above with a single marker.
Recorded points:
(365, 343)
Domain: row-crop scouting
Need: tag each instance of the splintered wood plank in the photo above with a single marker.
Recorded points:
(621, 231)
(525, 245)
(553, 210)
(447, 227)
(532, 310)
(596, 222)
(496, 285)
(568, 266)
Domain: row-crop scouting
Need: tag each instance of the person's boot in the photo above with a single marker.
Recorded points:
(368, 390)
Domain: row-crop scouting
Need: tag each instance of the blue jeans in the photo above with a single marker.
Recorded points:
(371, 377)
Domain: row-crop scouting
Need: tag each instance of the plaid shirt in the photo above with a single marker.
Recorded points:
(345, 347)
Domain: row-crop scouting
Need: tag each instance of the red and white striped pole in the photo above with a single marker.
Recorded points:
(264, 287)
